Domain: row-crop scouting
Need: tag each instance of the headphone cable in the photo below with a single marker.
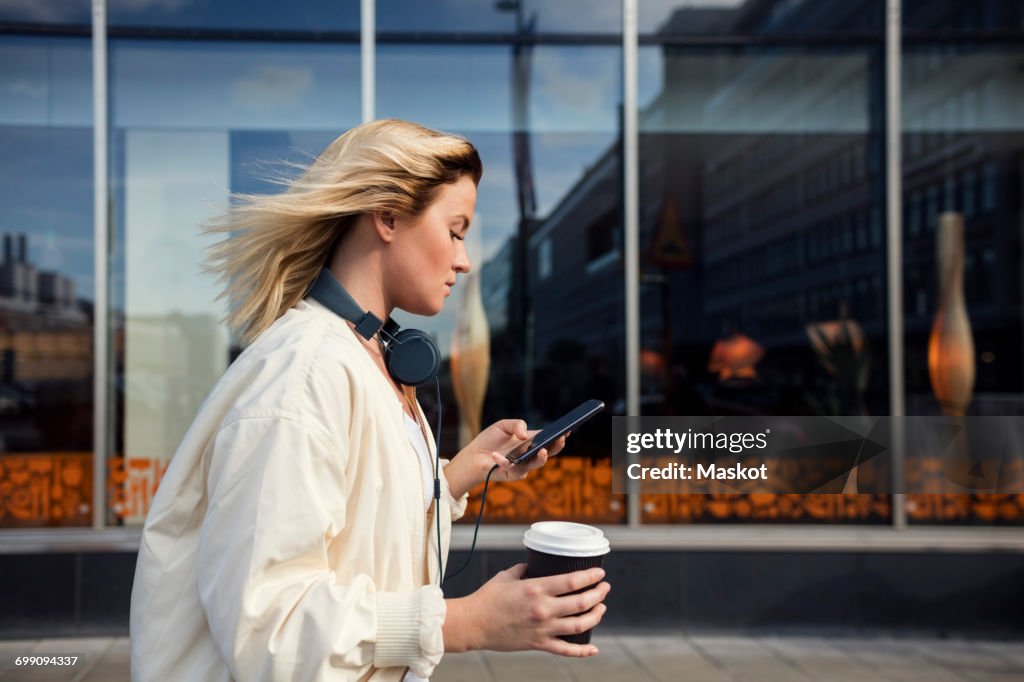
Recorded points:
(476, 529)
(437, 481)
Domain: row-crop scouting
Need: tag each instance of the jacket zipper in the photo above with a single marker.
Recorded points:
(432, 509)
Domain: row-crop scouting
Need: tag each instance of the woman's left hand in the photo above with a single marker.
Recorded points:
(490, 447)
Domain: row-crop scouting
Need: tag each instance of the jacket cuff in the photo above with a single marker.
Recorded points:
(409, 630)
(457, 507)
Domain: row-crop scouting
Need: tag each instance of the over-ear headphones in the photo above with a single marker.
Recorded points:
(412, 359)
(410, 355)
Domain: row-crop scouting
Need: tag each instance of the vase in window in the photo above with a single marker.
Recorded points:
(470, 353)
(951, 345)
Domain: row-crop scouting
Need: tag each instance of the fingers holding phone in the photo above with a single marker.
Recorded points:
(517, 472)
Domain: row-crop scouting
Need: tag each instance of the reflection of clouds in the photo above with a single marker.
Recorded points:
(653, 14)
(143, 5)
(575, 88)
(272, 87)
(26, 88)
(63, 11)
(576, 16)
(42, 10)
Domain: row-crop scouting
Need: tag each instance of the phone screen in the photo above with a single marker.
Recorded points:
(554, 430)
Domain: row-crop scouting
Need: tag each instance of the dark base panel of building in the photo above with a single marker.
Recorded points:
(930, 593)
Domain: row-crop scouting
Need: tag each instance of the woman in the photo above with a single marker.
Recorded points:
(290, 536)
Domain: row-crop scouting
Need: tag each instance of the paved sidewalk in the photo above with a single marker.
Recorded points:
(661, 656)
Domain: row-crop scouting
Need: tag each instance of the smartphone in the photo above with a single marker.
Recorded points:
(554, 430)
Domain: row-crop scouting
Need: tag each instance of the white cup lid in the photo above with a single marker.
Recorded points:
(563, 538)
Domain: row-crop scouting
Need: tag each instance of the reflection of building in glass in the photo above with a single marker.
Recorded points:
(46, 351)
(575, 331)
(767, 169)
(24, 288)
(495, 280)
(960, 155)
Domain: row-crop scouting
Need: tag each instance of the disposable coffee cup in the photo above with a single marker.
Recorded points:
(557, 547)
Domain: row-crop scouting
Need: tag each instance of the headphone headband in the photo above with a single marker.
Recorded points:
(327, 290)
(410, 355)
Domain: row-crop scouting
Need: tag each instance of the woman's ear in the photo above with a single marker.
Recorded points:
(384, 224)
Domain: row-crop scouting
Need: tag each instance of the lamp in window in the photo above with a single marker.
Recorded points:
(951, 344)
(735, 357)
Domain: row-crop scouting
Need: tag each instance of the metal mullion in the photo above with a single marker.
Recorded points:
(631, 238)
(101, 262)
(368, 60)
(894, 220)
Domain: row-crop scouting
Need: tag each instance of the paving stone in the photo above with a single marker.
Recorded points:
(743, 658)
(612, 664)
(11, 649)
(896, 660)
(469, 667)
(1009, 651)
(525, 665)
(818, 659)
(648, 657)
(671, 658)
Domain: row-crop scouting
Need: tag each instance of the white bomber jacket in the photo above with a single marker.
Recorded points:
(287, 539)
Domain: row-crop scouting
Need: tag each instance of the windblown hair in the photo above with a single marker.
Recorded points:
(277, 244)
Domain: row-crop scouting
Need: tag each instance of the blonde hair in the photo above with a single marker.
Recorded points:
(277, 244)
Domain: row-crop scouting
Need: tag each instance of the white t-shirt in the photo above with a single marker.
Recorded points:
(415, 433)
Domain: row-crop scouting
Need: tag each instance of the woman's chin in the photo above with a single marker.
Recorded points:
(426, 308)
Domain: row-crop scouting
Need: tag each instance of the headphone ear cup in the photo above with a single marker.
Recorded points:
(412, 358)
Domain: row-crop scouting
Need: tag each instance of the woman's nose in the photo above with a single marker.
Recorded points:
(462, 263)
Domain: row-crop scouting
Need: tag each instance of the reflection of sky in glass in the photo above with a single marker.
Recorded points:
(778, 90)
(476, 16)
(175, 181)
(45, 81)
(573, 89)
(234, 86)
(296, 15)
(574, 98)
(46, 169)
(260, 159)
(46, 11)
(46, 192)
(447, 87)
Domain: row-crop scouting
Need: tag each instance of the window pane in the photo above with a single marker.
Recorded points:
(546, 124)
(48, 12)
(783, 19)
(963, 132)
(191, 122)
(46, 280)
(308, 15)
(504, 16)
(762, 226)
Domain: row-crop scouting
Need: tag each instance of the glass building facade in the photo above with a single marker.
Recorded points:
(764, 219)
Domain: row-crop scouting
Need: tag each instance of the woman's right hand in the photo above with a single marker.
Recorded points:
(510, 613)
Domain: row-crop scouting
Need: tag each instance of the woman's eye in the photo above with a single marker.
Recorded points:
(456, 236)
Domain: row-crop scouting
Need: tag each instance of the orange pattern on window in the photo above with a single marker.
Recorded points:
(51, 489)
(55, 489)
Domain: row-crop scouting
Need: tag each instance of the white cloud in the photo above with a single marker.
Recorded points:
(143, 5)
(272, 87)
(575, 89)
(25, 88)
(64, 11)
(41, 10)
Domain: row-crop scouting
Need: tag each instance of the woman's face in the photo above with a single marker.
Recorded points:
(429, 250)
